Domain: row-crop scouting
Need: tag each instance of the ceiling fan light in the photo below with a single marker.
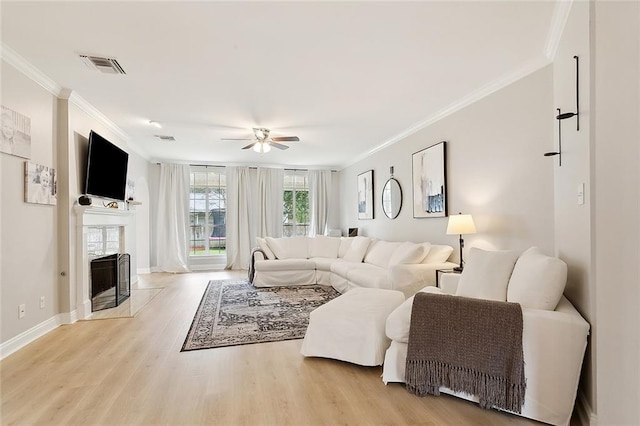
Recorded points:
(257, 147)
(266, 147)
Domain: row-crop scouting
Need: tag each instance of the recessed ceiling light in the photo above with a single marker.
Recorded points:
(155, 123)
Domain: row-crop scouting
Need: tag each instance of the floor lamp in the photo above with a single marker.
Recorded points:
(460, 224)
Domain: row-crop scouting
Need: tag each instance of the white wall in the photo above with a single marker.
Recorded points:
(617, 210)
(495, 170)
(29, 232)
(573, 221)
(38, 241)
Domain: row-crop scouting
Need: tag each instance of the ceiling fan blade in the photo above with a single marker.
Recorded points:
(286, 139)
(249, 146)
(278, 145)
(235, 139)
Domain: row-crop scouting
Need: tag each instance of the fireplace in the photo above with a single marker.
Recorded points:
(110, 281)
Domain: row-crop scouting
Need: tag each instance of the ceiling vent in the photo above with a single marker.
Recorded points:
(165, 138)
(103, 65)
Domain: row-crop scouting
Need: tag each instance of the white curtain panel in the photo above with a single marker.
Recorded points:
(270, 202)
(319, 197)
(172, 235)
(241, 207)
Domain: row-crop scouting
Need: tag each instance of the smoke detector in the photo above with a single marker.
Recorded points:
(165, 138)
(103, 65)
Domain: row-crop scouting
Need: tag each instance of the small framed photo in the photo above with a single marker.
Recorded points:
(365, 195)
(429, 182)
(40, 184)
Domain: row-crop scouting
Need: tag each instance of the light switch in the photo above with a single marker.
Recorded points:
(581, 194)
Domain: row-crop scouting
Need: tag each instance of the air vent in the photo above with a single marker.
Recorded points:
(104, 65)
(165, 138)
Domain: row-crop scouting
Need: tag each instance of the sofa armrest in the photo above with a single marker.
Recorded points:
(258, 255)
(554, 344)
(410, 278)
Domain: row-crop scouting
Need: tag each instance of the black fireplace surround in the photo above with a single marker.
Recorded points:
(110, 281)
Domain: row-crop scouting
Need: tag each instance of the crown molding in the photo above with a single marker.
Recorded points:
(558, 22)
(21, 64)
(93, 112)
(475, 96)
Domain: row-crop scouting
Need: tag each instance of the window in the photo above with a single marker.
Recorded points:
(208, 211)
(296, 204)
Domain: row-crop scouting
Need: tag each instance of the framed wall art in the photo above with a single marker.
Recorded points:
(15, 134)
(40, 184)
(365, 195)
(429, 182)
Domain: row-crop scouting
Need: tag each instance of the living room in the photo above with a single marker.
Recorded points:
(496, 136)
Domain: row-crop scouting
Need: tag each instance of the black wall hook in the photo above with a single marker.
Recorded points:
(577, 113)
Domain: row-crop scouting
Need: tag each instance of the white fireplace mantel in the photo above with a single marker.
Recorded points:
(91, 216)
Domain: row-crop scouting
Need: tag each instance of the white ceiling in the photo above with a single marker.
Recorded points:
(344, 77)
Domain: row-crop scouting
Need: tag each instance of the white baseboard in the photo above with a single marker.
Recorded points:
(144, 270)
(585, 414)
(69, 317)
(23, 339)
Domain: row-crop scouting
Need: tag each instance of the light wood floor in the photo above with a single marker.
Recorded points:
(131, 371)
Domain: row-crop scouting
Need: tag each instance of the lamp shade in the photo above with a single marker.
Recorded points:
(461, 224)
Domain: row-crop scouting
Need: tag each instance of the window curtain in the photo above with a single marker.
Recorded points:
(241, 234)
(319, 196)
(172, 234)
(270, 202)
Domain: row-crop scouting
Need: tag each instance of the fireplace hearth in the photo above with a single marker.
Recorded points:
(110, 281)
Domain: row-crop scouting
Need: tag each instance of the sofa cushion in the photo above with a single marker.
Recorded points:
(320, 246)
(537, 281)
(345, 244)
(370, 277)
(438, 253)
(408, 253)
(262, 243)
(324, 263)
(380, 253)
(289, 248)
(342, 267)
(357, 250)
(285, 265)
(486, 274)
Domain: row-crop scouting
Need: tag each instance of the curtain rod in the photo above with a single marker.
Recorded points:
(251, 167)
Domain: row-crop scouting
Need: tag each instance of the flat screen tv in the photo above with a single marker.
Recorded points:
(106, 169)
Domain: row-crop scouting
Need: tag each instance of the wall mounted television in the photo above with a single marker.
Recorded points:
(106, 169)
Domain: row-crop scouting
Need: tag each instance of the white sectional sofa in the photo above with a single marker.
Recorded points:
(347, 263)
(554, 334)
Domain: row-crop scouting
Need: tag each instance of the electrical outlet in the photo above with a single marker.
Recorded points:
(22, 310)
(41, 302)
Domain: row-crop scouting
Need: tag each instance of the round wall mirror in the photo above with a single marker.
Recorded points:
(392, 198)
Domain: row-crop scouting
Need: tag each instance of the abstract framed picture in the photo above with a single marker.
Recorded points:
(429, 182)
(15, 134)
(365, 195)
(40, 184)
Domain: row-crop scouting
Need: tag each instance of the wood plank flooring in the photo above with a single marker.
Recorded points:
(130, 371)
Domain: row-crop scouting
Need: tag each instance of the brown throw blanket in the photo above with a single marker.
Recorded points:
(467, 345)
(252, 264)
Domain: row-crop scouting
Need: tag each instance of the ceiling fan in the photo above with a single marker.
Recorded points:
(263, 142)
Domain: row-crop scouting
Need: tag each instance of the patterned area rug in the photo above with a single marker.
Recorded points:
(234, 312)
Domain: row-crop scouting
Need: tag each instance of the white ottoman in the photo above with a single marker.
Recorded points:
(351, 327)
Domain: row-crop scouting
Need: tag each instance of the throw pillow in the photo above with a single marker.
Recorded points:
(438, 254)
(408, 253)
(358, 248)
(380, 253)
(486, 274)
(537, 281)
(320, 246)
(262, 243)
